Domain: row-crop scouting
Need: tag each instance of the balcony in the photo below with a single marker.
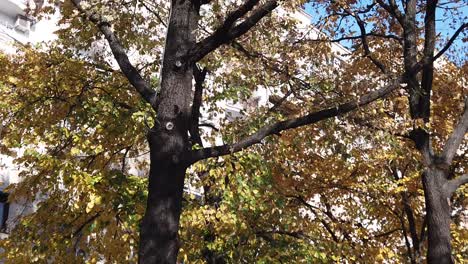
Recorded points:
(12, 8)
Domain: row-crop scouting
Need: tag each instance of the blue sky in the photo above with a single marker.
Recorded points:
(443, 27)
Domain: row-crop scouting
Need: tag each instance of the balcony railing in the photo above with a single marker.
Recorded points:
(12, 8)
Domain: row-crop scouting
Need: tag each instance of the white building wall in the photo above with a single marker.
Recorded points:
(9, 32)
(13, 32)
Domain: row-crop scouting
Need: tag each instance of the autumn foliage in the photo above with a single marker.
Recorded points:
(290, 183)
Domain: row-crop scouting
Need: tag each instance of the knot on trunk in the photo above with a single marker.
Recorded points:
(169, 126)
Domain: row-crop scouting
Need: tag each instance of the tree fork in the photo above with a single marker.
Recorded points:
(438, 189)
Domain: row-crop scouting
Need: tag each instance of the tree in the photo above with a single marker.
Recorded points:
(84, 118)
(404, 26)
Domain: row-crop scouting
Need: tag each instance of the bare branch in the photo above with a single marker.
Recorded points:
(393, 10)
(199, 76)
(235, 15)
(428, 70)
(156, 14)
(209, 125)
(370, 34)
(384, 234)
(132, 74)
(452, 185)
(456, 137)
(365, 44)
(228, 32)
(451, 40)
(311, 118)
(312, 208)
(426, 60)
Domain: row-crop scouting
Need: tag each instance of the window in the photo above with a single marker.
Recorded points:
(4, 208)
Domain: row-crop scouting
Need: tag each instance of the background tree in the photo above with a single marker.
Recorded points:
(80, 96)
(411, 26)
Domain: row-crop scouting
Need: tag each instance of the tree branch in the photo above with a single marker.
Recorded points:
(370, 34)
(426, 60)
(451, 40)
(411, 221)
(393, 10)
(132, 74)
(311, 118)
(235, 15)
(90, 220)
(407, 207)
(228, 32)
(298, 235)
(278, 102)
(456, 137)
(209, 125)
(273, 64)
(452, 185)
(405, 235)
(156, 14)
(199, 76)
(422, 141)
(422, 234)
(428, 70)
(365, 44)
(325, 224)
(387, 233)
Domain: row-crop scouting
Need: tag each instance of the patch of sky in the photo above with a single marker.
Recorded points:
(450, 16)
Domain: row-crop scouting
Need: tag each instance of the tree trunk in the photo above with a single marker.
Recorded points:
(438, 216)
(160, 225)
(168, 140)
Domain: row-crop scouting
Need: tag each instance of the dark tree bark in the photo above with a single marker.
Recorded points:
(438, 188)
(438, 216)
(168, 140)
(160, 225)
(436, 174)
(434, 179)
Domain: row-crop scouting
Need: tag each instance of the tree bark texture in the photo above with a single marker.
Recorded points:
(438, 216)
(168, 141)
(439, 188)
(410, 59)
(435, 177)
